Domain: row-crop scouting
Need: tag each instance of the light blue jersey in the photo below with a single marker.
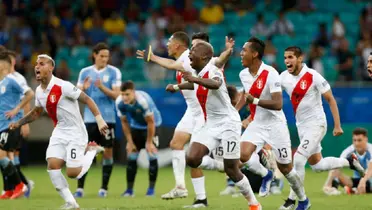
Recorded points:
(136, 113)
(21, 80)
(10, 96)
(364, 159)
(110, 77)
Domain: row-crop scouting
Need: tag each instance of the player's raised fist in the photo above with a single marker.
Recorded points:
(337, 131)
(170, 88)
(249, 98)
(13, 125)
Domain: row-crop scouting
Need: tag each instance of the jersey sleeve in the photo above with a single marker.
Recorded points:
(320, 83)
(216, 74)
(81, 78)
(70, 91)
(16, 86)
(145, 106)
(23, 83)
(274, 82)
(37, 102)
(119, 111)
(117, 78)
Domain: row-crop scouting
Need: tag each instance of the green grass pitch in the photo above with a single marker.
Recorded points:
(44, 195)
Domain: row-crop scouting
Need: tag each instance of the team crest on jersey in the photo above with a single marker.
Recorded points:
(3, 89)
(303, 84)
(53, 98)
(259, 84)
(105, 78)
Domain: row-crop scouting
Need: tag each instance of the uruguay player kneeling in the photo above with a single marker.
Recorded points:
(139, 118)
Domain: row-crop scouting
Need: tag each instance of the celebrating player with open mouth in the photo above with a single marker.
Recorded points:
(68, 143)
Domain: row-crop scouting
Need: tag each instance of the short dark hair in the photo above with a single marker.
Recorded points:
(2, 48)
(182, 37)
(232, 91)
(128, 85)
(98, 47)
(200, 35)
(4, 57)
(360, 131)
(296, 50)
(257, 45)
(12, 53)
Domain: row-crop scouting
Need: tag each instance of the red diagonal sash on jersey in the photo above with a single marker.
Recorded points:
(257, 88)
(202, 95)
(301, 89)
(52, 102)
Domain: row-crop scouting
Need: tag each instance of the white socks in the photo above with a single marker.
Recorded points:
(179, 164)
(211, 164)
(329, 163)
(246, 190)
(199, 187)
(87, 162)
(61, 185)
(296, 185)
(255, 166)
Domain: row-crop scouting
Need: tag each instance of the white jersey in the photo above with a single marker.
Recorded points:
(189, 95)
(305, 91)
(59, 100)
(21, 80)
(216, 104)
(261, 86)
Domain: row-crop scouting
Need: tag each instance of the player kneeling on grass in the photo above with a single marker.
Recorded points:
(139, 119)
(357, 183)
(68, 143)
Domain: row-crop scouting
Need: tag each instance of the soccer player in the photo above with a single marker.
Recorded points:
(192, 120)
(140, 119)
(11, 104)
(363, 150)
(25, 129)
(106, 88)
(263, 93)
(223, 123)
(68, 143)
(306, 87)
(369, 65)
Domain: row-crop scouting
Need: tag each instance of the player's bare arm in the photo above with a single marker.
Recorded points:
(25, 129)
(150, 147)
(328, 96)
(183, 86)
(26, 99)
(363, 181)
(241, 103)
(33, 115)
(213, 83)
(131, 147)
(112, 93)
(85, 99)
(164, 62)
(225, 55)
(276, 102)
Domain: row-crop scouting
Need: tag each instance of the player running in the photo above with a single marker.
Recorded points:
(306, 87)
(363, 150)
(106, 88)
(192, 120)
(223, 123)
(11, 103)
(68, 143)
(264, 95)
(140, 119)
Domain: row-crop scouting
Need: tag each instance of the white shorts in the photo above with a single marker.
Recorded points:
(71, 151)
(218, 153)
(190, 123)
(214, 136)
(276, 135)
(311, 136)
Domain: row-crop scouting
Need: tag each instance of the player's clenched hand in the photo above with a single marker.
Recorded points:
(12, 113)
(249, 98)
(25, 130)
(188, 76)
(151, 149)
(229, 43)
(170, 88)
(337, 131)
(13, 125)
(131, 148)
(98, 83)
(86, 84)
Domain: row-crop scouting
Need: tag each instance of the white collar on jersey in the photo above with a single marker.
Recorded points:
(210, 66)
(303, 70)
(260, 69)
(101, 70)
(51, 83)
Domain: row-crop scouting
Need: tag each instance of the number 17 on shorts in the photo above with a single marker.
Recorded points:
(231, 145)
